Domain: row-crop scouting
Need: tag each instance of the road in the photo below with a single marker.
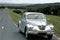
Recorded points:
(9, 31)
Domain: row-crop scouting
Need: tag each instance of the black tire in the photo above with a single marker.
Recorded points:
(26, 34)
(49, 37)
(20, 31)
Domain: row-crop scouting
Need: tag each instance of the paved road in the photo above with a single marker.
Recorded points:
(8, 30)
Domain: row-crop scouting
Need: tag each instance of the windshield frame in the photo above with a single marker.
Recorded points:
(36, 14)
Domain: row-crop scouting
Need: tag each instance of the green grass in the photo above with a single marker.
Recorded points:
(1, 9)
(55, 20)
(15, 17)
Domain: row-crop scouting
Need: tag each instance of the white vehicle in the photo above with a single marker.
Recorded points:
(33, 23)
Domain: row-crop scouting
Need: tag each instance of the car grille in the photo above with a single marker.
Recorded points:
(42, 33)
(41, 27)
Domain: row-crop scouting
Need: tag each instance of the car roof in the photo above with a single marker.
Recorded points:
(26, 13)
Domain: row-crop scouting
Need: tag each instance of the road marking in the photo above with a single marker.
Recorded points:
(16, 25)
(2, 27)
(56, 37)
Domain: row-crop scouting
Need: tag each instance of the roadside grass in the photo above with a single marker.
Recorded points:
(16, 17)
(55, 20)
(1, 9)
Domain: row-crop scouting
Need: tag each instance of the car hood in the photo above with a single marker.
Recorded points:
(37, 22)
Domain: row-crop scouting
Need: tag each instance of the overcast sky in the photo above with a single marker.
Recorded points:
(29, 1)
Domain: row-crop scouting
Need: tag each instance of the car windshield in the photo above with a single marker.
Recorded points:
(35, 16)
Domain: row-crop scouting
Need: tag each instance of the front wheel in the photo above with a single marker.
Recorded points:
(19, 31)
(26, 34)
(49, 37)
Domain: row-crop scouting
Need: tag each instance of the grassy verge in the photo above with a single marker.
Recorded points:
(15, 17)
(55, 20)
(1, 9)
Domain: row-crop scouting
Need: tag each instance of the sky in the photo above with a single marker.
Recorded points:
(29, 1)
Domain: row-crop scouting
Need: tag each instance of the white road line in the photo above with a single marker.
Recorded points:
(56, 37)
(16, 25)
(59, 38)
(2, 27)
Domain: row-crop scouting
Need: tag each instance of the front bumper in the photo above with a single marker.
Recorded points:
(40, 33)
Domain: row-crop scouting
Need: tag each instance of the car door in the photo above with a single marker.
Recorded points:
(23, 23)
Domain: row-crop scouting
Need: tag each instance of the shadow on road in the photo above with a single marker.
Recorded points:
(21, 36)
(34, 37)
(38, 38)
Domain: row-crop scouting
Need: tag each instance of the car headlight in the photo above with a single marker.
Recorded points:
(30, 27)
(51, 28)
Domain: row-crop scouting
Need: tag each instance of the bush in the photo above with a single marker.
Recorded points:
(16, 11)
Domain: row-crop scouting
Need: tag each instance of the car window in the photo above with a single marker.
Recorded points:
(35, 16)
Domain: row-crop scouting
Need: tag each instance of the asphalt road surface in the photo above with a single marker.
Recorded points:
(9, 31)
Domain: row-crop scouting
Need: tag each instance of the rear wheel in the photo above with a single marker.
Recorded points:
(49, 37)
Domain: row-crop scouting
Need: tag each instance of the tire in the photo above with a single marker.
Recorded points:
(49, 37)
(20, 31)
(26, 34)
